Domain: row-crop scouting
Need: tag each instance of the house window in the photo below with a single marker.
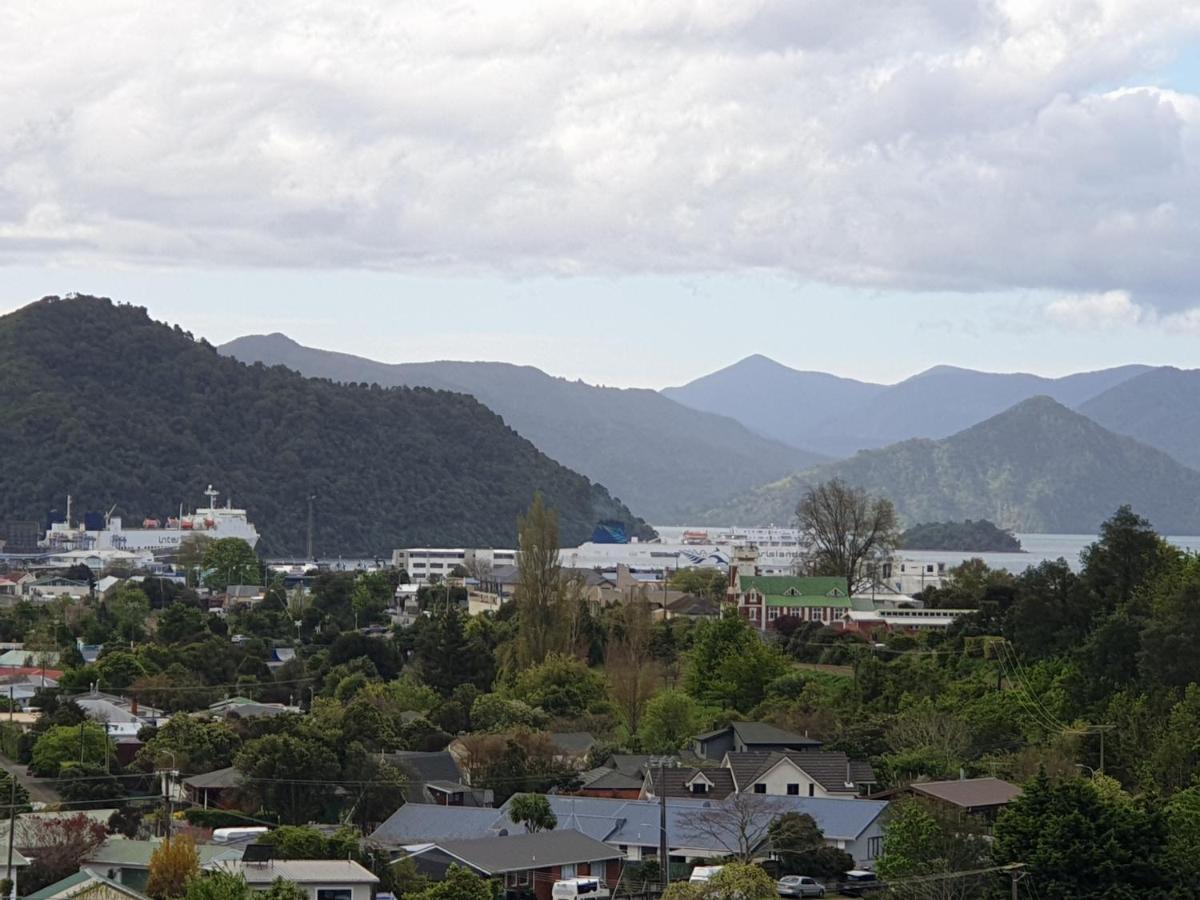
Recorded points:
(760, 789)
(699, 788)
(812, 790)
(793, 790)
(874, 847)
(334, 894)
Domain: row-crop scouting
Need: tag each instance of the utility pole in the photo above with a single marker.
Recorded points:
(12, 830)
(1016, 872)
(664, 850)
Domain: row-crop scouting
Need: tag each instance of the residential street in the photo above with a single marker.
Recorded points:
(39, 792)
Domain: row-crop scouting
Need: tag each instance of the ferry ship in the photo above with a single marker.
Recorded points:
(154, 535)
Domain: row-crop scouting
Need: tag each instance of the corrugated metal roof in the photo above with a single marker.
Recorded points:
(520, 852)
(423, 822)
(301, 871)
(970, 793)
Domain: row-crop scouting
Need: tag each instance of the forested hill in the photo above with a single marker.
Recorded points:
(1038, 467)
(666, 459)
(99, 401)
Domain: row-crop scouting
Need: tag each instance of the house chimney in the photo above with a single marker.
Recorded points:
(962, 774)
(133, 707)
(849, 779)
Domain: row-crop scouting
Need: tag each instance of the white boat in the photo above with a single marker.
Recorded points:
(155, 535)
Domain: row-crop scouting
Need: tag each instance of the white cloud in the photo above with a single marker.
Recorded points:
(1096, 312)
(966, 144)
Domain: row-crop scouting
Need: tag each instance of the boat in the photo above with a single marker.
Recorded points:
(212, 521)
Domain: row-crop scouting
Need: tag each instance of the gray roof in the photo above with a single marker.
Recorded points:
(131, 854)
(220, 779)
(424, 767)
(691, 605)
(826, 768)
(520, 852)
(418, 823)
(577, 742)
(760, 733)
(82, 882)
(678, 782)
(606, 779)
(970, 793)
(300, 871)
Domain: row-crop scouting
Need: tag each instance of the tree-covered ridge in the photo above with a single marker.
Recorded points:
(979, 536)
(1038, 467)
(667, 459)
(99, 401)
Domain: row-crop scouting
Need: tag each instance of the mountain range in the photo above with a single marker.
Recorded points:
(840, 416)
(666, 459)
(1036, 467)
(99, 401)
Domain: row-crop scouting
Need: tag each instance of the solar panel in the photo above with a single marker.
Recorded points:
(258, 853)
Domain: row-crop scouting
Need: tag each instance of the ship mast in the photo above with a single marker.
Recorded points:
(212, 497)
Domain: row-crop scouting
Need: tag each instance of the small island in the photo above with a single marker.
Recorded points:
(973, 537)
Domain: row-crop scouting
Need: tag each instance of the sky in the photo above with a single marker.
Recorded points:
(632, 193)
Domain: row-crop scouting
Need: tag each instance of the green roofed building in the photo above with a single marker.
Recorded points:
(762, 599)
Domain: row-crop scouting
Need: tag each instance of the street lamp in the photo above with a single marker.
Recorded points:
(1081, 767)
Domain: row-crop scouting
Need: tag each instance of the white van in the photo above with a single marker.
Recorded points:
(704, 874)
(572, 888)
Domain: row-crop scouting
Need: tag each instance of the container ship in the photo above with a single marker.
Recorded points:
(155, 535)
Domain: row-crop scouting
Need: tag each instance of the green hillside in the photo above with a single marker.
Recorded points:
(1038, 467)
(99, 401)
(664, 459)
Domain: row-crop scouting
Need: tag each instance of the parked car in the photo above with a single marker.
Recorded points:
(704, 874)
(578, 889)
(859, 883)
(799, 886)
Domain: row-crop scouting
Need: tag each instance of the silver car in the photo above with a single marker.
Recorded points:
(799, 886)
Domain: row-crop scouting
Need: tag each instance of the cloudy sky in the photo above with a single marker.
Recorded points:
(628, 192)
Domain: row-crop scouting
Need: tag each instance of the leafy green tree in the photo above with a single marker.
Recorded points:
(495, 712)
(194, 744)
(800, 846)
(230, 561)
(292, 774)
(459, 884)
(671, 719)
(128, 607)
(542, 590)
(1168, 640)
(1074, 843)
(730, 665)
(922, 839)
(448, 656)
(118, 669)
(561, 685)
(179, 623)
(1128, 554)
(533, 811)
(65, 744)
(735, 881)
(699, 581)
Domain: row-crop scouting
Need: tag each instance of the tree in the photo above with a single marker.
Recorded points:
(494, 712)
(179, 623)
(543, 617)
(845, 527)
(65, 744)
(230, 561)
(195, 745)
(1074, 843)
(1128, 554)
(735, 881)
(222, 885)
(740, 824)
(172, 865)
(448, 656)
(800, 845)
(632, 672)
(63, 844)
(561, 685)
(459, 884)
(707, 582)
(671, 719)
(922, 839)
(730, 665)
(533, 811)
(292, 774)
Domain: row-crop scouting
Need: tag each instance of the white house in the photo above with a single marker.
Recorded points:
(323, 879)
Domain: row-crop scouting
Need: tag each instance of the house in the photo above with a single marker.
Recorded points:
(426, 823)
(245, 708)
(572, 747)
(323, 879)
(742, 737)
(606, 781)
(12, 873)
(218, 789)
(530, 862)
(15, 584)
(761, 599)
(871, 619)
(803, 773)
(710, 783)
(127, 862)
(244, 593)
(983, 797)
(436, 778)
(85, 885)
(53, 587)
(691, 606)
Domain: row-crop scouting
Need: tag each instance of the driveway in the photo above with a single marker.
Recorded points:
(39, 790)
